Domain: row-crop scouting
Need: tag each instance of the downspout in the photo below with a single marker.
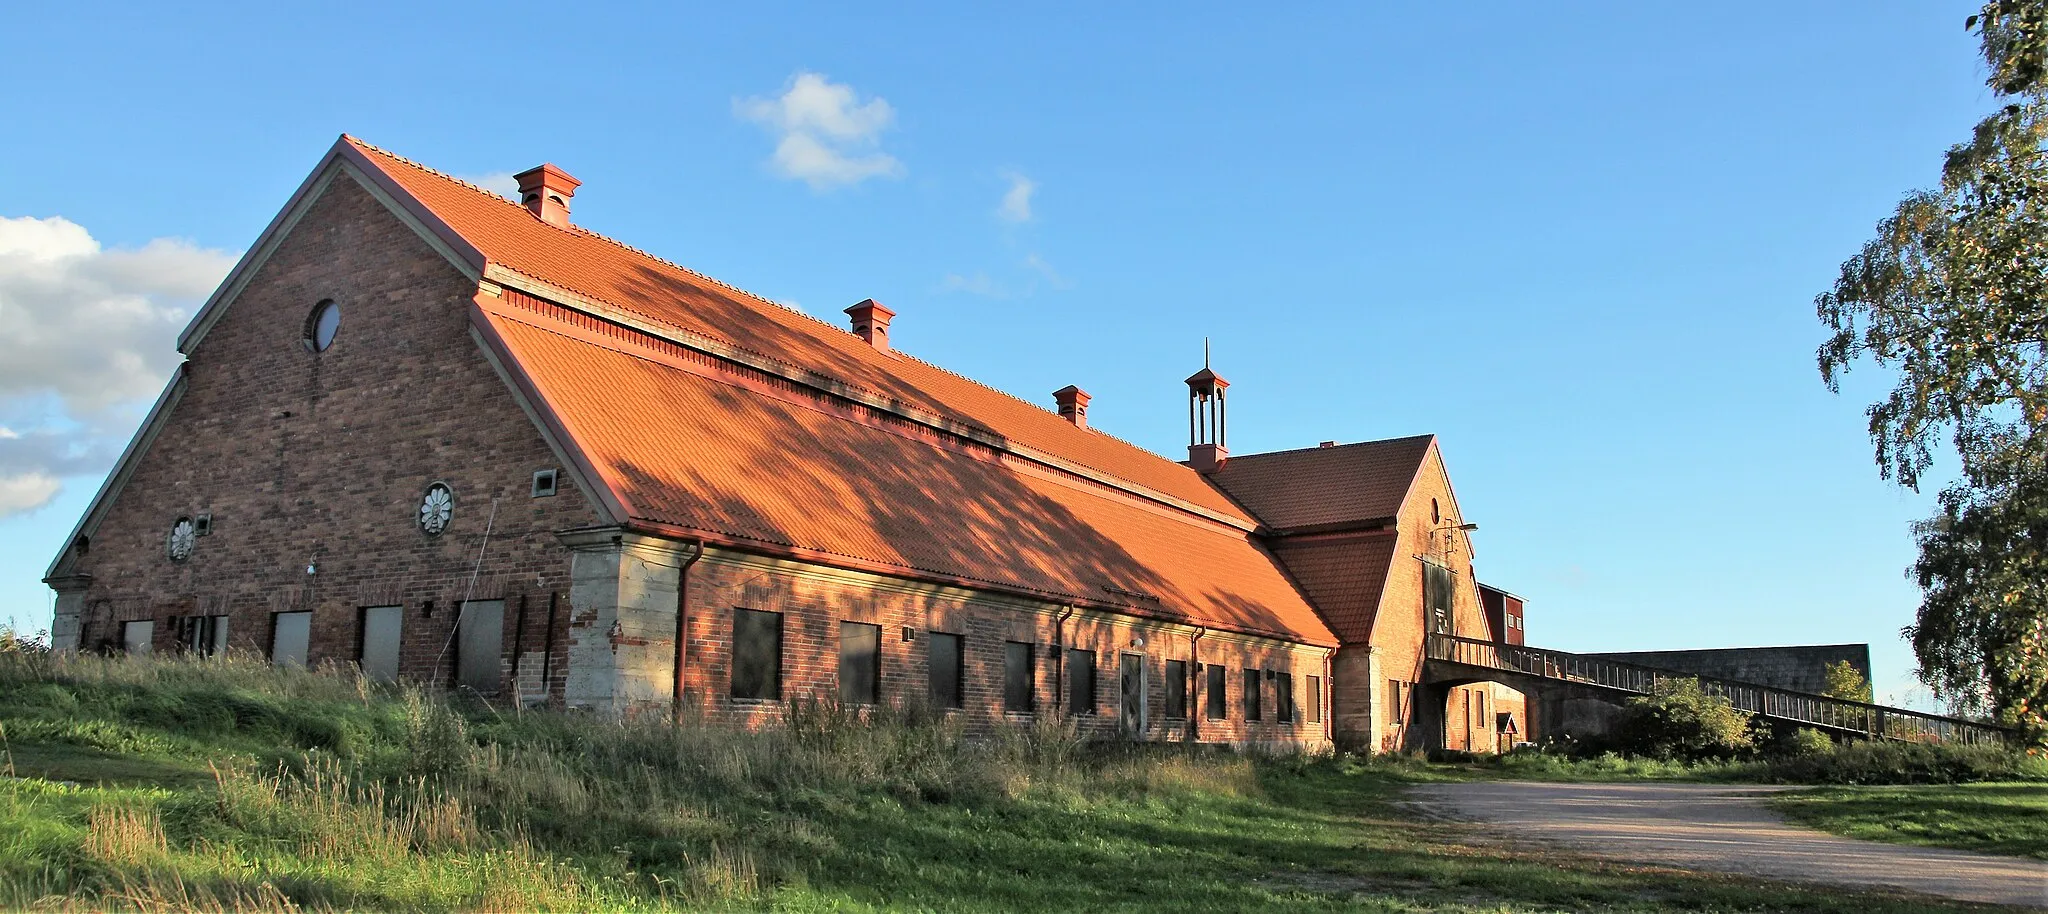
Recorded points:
(1059, 660)
(1328, 699)
(518, 649)
(547, 652)
(1197, 708)
(682, 628)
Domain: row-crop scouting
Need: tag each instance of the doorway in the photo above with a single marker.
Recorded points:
(1132, 712)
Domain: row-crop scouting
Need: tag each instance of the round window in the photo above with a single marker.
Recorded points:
(321, 326)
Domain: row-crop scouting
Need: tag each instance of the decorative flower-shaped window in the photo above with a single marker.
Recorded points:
(183, 536)
(435, 508)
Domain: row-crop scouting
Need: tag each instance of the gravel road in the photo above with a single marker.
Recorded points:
(1724, 828)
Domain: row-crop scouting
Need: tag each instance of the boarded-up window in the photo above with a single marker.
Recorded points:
(480, 645)
(1283, 697)
(139, 636)
(1020, 691)
(1080, 682)
(943, 656)
(860, 662)
(1315, 699)
(1251, 694)
(1437, 590)
(289, 637)
(379, 655)
(203, 635)
(1219, 703)
(1176, 689)
(756, 654)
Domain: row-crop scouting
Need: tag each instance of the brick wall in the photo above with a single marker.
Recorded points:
(321, 459)
(815, 600)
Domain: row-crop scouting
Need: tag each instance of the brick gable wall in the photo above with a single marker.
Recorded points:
(305, 458)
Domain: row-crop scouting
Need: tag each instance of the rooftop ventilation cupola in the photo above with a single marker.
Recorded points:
(545, 191)
(871, 322)
(1206, 451)
(1073, 402)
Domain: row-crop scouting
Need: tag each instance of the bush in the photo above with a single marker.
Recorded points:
(1803, 742)
(1893, 762)
(1678, 720)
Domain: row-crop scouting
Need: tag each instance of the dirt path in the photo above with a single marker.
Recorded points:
(1725, 828)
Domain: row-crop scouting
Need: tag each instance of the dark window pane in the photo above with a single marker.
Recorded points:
(1283, 698)
(1219, 707)
(1251, 694)
(1176, 689)
(1080, 682)
(756, 654)
(1315, 699)
(860, 666)
(1020, 690)
(944, 659)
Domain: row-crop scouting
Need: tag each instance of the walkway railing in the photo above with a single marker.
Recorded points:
(1799, 707)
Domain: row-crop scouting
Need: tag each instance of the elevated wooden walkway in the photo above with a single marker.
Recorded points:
(1453, 659)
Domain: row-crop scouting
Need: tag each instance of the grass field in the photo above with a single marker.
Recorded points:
(225, 785)
(2009, 819)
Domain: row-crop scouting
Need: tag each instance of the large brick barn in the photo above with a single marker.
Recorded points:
(460, 440)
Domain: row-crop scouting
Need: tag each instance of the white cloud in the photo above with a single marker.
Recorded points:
(977, 284)
(1038, 264)
(86, 334)
(1016, 205)
(501, 183)
(826, 137)
(26, 492)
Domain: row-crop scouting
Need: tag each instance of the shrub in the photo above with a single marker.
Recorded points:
(1678, 720)
(1803, 742)
(1894, 762)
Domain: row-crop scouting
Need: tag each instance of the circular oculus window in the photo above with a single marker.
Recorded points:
(322, 324)
(184, 535)
(436, 507)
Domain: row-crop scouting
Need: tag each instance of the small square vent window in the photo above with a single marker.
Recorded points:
(203, 524)
(543, 483)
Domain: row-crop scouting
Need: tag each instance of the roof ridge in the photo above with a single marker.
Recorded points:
(1335, 447)
(721, 284)
(580, 230)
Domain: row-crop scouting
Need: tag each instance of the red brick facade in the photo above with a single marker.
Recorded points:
(320, 460)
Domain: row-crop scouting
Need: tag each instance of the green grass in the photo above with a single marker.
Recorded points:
(2009, 819)
(225, 785)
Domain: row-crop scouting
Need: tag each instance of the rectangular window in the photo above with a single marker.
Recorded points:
(1283, 697)
(480, 645)
(756, 654)
(943, 656)
(378, 658)
(1251, 694)
(1315, 699)
(139, 636)
(1176, 689)
(290, 634)
(1080, 682)
(203, 635)
(860, 662)
(1219, 707)
(1020, 682)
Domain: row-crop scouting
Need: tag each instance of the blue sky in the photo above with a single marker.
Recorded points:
(1578, 242)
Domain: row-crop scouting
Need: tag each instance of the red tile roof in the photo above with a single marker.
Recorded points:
(1344, 577)
(1326, 485)
(1016, 497)
(598, 268)
(691, 442)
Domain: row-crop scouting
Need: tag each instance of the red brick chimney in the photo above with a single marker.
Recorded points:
(1073, 403)
(545, 191)
(871, 322)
